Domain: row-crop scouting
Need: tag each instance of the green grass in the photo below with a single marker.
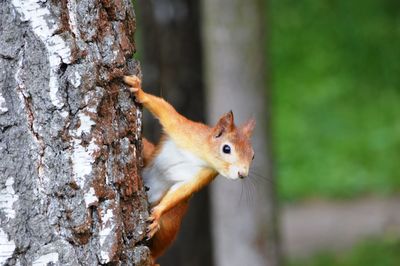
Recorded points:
(377, 252)
(336, 96)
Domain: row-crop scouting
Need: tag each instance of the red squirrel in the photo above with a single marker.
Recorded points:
(188, 157)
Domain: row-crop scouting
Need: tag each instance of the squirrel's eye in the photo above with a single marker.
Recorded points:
(226, 149)
(253, 157)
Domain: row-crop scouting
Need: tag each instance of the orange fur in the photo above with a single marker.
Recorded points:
(172, 208)
(202, 141)
(183, 193)
(178, 127)
(148, 151)
(170, 223)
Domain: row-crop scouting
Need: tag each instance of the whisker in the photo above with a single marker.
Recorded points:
(246, 192)
(260, 177)
(250, 191)
(241, 194)
(254, 192)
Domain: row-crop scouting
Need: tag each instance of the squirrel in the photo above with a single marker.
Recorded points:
(187, 158)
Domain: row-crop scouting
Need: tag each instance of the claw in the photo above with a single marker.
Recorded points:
(153, 226)
(133, 90)
(134, 84)
(132, 81)
(152, 229)
(154, 220)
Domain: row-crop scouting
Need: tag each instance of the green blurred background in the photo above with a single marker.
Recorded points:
(335, 68)
(335, 74)
(374, 252)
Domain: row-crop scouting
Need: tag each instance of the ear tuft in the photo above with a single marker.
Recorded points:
(249, 127)
(225, 124)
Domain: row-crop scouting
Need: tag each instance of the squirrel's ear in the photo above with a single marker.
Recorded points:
(249, 127)
(225, 124)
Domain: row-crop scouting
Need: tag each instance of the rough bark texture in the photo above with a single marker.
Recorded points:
(69, 135)
(245, 233)
(171, 56)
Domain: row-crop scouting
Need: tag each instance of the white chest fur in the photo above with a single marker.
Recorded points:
(171, 167)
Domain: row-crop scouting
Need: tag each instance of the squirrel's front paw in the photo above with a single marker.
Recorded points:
(134, 82)
(135, 86)
(154, 225)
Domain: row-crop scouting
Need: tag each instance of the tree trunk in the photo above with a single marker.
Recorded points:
(171, 58)
(69, 135)
(244, 233)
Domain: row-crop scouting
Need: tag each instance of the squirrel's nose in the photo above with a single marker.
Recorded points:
(242, 174)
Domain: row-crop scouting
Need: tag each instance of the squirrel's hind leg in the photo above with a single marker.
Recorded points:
(170, 223)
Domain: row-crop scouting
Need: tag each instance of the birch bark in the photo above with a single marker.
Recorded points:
(69, 135)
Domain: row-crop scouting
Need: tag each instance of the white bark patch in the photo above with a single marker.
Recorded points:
(104, 257)
(82, 155)
(3, 107)
(45, 259)
(107, 225)
(44, 27)
(138, 123)
(71, 5)
(86, 124)
(107, 231)
(90, 197)
(7, 199)
(76, 79)
(7, 247)
(82, 160)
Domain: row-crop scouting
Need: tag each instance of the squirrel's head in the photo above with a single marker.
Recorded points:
(231, 147)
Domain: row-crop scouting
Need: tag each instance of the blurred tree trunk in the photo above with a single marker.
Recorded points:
(244, 233)
(172, 67)
(69, 135)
